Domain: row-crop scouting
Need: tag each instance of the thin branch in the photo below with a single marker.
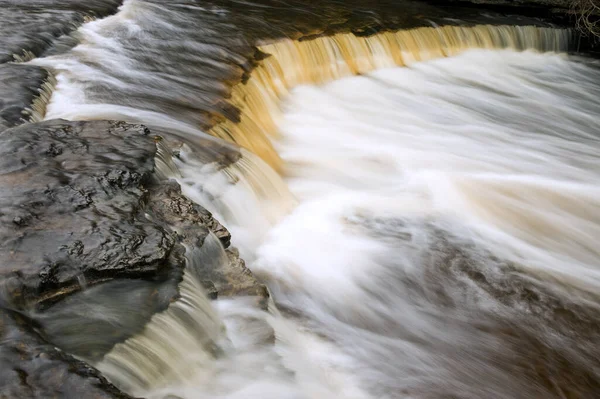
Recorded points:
(588, 16)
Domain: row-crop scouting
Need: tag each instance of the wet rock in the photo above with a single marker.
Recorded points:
(31, 367)
(90, 322)
(191, 221)
(205, 149)
(30, 27)
(91, 235)
(225, 277)
(239, 280)
(72, 209)
(20, 85)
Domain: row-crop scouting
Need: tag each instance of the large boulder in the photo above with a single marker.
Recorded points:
(71, 209)
(94, 243)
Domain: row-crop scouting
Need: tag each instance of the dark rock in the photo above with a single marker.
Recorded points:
(238, 280)
(30, 27)
(222, 274)
(90, 322)
(205, 149)
(20, 85)
(93, 243)
(31, 367)
(191, 221)
(72, 209)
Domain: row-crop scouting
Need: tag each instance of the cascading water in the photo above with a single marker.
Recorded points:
(323, 59)
(432, 236)
(445, 229)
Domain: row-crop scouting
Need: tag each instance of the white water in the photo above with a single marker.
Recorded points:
(152, 63)
(409, 180)
(505, 144)
(427, 204)
(248, 195)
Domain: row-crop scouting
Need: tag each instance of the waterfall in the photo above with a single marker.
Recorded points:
(445, 215)
(291, 63)
(423, 205)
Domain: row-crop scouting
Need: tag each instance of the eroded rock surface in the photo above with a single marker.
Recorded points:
(193, 223)
(72, 208)
(81, 205)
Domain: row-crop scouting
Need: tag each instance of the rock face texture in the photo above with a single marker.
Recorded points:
(72, 208)
(70, 215)
(82, 207)
(167, 203)
(28, 28)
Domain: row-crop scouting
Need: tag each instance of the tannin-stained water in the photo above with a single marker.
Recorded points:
(432, 232)
(291, 63)
(444, 237)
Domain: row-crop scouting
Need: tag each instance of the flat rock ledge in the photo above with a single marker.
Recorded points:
(81, 205)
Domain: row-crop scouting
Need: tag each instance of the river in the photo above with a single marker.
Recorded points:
(423, 204)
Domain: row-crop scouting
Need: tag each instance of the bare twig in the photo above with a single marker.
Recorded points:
(588, 16)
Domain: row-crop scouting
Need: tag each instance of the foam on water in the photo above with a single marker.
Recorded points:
(446, 225)
(434, 232)
(505, 143)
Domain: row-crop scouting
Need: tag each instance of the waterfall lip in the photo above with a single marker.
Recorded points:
(37, 111)
(320, 59)
(26, 90)
(153, 359)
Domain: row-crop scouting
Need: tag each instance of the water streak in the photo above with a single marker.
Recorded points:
(447, 217)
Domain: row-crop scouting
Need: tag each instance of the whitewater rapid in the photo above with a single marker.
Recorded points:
(502, 143)
(445, 227)
(432, 233)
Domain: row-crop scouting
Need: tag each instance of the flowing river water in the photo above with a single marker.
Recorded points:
(427, 229)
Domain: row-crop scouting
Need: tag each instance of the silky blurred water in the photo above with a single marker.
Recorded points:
(443, 240)
(432, 233)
